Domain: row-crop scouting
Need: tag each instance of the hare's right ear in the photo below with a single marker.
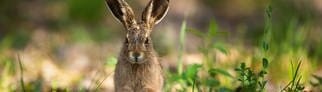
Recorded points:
(122, 11)
(155, 12)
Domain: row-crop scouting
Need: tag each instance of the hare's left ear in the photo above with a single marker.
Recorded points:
(123, 12)
(155, 12)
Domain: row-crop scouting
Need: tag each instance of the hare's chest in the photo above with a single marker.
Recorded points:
(147, 78)
(147, 82)
(139, 78)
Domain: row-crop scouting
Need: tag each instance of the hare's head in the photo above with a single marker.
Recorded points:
(138, 44)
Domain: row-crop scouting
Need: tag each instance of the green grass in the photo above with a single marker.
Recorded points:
(181, 46)
(294, 85)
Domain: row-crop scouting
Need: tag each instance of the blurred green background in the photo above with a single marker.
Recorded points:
(72, 45)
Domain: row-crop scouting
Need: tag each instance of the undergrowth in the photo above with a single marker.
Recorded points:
(194, 79)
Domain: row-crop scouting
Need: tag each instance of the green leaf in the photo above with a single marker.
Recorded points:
(265, 63)
(212, 28)
(265, 46)
(111, 61)
(192, 71)
(212, 82)
(243, 66)
(174, 78)
(262, 73)
(238, 69)
(220, 71)
(220, 47)
(196, 33)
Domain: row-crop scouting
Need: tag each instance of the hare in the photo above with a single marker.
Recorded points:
(138, 68)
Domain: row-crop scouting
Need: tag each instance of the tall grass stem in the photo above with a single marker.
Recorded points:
(181, 46)
(21, 74)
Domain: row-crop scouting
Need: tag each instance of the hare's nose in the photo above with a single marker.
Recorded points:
(136, 55)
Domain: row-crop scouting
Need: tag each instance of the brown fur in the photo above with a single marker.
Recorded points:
(138, 69)
(145, 77)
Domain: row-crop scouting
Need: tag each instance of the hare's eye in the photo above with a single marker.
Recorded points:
(126, 41)
(146, 41)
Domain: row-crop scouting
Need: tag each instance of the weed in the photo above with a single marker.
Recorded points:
(251, 81)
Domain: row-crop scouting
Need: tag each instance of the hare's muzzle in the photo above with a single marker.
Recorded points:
(136, 57)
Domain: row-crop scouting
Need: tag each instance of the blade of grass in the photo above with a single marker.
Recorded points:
(296, 73)
(294, 77)
(292, 71)
(99, 85)
(298, 82)
(212, 31)
(21, 74)
(181, 46)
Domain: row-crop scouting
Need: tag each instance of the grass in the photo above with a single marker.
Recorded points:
(21, 74)
(181, 46)
(294, 85)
